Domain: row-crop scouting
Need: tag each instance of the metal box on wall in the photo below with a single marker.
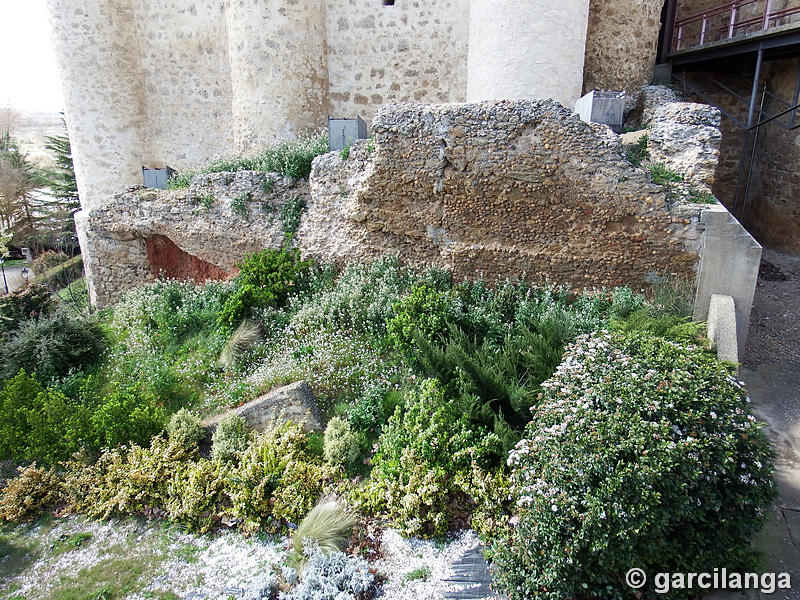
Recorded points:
(602, 107)
(343, 132)
(156, 178)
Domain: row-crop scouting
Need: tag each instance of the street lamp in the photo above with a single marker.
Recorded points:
(25, 274)
(5, 283)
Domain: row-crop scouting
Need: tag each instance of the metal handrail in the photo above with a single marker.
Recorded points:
(732, 28)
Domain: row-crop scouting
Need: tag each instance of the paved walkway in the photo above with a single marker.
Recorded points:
(771, 370)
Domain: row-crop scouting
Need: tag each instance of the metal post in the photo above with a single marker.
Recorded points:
(754, 92)
(3, 268)
(766, 14)
(746, 197)
(669, 28)
(732, 24)
(703, 31)
(796, 98)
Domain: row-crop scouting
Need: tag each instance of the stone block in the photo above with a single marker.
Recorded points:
(722, 327)
(293, 402)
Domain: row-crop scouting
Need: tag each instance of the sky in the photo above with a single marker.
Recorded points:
(29, 79)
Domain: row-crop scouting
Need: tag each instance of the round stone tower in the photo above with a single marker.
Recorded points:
(531, 49)
(279, 69)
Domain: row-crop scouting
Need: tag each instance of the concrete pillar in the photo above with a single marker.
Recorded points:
(279, 69)
(98, 57)
(527, 49)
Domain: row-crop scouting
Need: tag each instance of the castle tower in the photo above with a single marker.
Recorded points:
(530, 49)
(279, 69)
(97, 52)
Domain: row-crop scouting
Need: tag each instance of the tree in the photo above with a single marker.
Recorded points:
(10, 120)
(63, 188)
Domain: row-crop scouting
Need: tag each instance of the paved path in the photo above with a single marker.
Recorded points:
(771, 371)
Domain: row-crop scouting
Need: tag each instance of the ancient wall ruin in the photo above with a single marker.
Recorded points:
(179, 82)
(499, 189)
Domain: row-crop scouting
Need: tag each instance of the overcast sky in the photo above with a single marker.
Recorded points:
(29, 79)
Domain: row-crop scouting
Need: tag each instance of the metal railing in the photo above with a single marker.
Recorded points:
(731, 20)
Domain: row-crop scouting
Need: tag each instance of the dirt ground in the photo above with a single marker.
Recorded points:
(771, 370)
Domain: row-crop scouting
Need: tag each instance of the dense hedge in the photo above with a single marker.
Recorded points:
(642, 453)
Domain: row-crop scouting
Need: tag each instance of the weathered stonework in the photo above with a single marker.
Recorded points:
(198, 233)
(293, 402)
(686, 138)
(506, 189)
(621, 44)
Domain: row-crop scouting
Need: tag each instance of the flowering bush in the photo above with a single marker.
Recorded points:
(642, 453)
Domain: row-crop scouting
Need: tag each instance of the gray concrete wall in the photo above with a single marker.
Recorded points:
(729, 262)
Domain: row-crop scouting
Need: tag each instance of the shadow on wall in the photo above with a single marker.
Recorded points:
(167, 260)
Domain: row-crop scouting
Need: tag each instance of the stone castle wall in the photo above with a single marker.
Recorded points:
(179, 82)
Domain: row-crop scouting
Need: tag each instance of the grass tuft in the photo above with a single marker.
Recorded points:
(327, 526)
(289, 158)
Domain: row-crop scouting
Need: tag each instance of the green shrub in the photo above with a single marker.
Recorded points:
(60, 275)
(196, 494)
(361, 298)
(47, 260)
(372, 409)
(128, 414)
(425, 311)
(24, 304)
(326, 527)
(290, 213)
(624, 301)
(51, 345)
(186, 429)
(290, 158)
(643, 453)
(230, 439)
(661, 175)
(38, 423)
(125, 481)
(266, 279)
(425, 450)
(638, 153)
(278, 481)
(25, 496)
(342, 443)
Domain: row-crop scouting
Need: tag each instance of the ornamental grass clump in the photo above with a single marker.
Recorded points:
(641, 453)
(325, 528)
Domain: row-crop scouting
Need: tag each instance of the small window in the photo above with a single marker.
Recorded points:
(388, 2)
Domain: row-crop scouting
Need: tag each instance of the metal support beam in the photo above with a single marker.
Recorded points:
(669, 28)
(796, 98)
(754, 91)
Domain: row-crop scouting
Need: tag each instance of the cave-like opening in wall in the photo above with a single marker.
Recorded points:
(168, 260)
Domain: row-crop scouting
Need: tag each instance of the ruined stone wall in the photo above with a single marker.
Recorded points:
(506, 189)
(412, 51)
(621, 44)
(200, 233)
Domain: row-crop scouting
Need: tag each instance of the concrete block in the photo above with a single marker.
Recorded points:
(607, 108)
(729, 262)
(722, 327)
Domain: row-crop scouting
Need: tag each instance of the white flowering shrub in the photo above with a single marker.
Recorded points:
(642, 453)
(361, 299)
(339, 366)
(334, 576)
